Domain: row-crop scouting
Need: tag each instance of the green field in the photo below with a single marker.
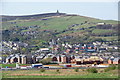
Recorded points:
(14, 65)
(64, 73)
(111, 38)
(57, 23)
(102, 31)
(8, 65)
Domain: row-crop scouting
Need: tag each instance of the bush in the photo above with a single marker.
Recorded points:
(58, 71)
(111, 67)
(106, 69)
(46, 61)
(76, 69)
(101, 71)
(42, 70)
(92, 70)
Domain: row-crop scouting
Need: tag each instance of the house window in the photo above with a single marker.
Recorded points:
(15, 59)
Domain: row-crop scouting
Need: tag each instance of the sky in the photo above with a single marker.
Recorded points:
(107, 10)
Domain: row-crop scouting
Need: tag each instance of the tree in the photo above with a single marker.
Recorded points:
(92, 70)
(15, 39)
(111, 67)
(42, 70)
(76, 70)
(24, 50)
(58, 71)
(46, 61)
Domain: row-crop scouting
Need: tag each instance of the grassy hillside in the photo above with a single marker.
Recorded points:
(79, 28)
(57, 23)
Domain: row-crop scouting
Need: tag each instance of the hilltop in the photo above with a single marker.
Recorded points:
(24, 17)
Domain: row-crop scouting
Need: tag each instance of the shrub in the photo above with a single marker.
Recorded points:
(46, 61)
(111, 67)
(76, 69)
(58, 71)
(42, 70)
(101, 71)
(92, 70)
(106, 69)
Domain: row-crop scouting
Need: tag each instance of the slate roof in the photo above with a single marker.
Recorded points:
(116, 59)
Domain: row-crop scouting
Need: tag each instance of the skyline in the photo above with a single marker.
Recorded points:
(100, 10)
(60, 0)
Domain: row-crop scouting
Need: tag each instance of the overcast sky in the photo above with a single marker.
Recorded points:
(102, 9)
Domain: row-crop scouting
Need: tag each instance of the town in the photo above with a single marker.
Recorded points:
(96, 54)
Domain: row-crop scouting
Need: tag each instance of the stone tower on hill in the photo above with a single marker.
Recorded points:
(57, 11)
